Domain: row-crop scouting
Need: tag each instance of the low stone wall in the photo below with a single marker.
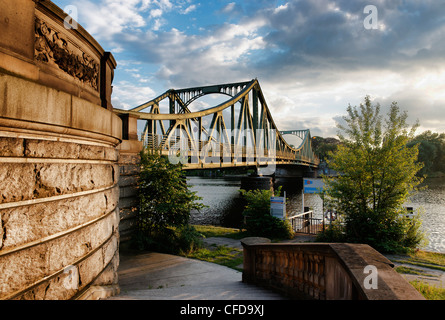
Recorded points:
(59, 174)
(324, 271)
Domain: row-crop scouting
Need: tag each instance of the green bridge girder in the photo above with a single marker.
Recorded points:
(238, 132)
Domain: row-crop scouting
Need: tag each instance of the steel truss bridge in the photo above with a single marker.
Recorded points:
(237, 132)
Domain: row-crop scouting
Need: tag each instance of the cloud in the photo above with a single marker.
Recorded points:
(189, 9)
(126, 95)
(312, 58)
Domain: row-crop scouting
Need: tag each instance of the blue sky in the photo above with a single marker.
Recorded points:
(312, 58)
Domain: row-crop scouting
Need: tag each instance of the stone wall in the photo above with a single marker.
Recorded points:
(59, 170)
(337, 271)
(129, 169)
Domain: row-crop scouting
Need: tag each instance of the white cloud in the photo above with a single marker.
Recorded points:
(189, 9)
(127, 95)
(155, 13)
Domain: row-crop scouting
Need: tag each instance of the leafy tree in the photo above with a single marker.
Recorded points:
(323, 146)
(259, 221)
(431, 152)
(377, 174)
(165, 203)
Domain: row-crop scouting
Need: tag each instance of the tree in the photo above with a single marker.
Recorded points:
(431, 152)
(322, 146)
(165, 204)
(377, 174)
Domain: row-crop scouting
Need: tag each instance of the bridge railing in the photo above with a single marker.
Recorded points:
(216, 149)
(306, 223)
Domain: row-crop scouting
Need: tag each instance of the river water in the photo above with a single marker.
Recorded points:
(225, 204)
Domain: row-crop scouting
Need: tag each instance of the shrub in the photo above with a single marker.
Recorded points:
(259, 221)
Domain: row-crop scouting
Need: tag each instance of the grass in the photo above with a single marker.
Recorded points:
(428, 291)
(431, 260)
(408, 270)
(223, 255)
(426, 259)
(214, 231)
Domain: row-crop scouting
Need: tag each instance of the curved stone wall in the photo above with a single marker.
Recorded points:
(59, 175)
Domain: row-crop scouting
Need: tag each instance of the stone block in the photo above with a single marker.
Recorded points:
(111, 154)
(54, 179)
(11, 147)
(17, 27)
(21, 269)
(39, 104)
(125, 181)
(90, 268)
(17, 182)
(51, 149)
(109, 274)
(66, 150)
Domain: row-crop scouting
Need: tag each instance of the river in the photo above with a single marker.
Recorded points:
(225, 204)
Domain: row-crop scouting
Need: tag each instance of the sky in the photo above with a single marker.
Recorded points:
(311, 58)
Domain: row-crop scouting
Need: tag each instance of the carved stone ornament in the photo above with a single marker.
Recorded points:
(50, 47)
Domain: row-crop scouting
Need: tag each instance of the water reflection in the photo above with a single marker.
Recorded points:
(225, 204)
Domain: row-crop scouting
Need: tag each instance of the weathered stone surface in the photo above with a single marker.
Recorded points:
(128, 180)
(11, 147)
(129, 158)
(254, 240)
(25, 181)
(17, 182)
(24, 267)
(1, 232)
(30, 223)
(109, 274)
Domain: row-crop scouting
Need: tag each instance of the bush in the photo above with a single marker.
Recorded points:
(259, 221)
(332, 233)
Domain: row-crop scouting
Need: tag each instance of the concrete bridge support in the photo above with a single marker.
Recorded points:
(59, 175)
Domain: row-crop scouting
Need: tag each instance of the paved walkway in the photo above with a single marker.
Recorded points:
(158, 276)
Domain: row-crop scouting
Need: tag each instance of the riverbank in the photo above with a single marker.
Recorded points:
(225, 205)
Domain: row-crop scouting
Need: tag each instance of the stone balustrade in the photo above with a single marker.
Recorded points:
(323, 271)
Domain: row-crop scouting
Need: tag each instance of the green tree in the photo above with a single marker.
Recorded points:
(323, 146)
(165, 203)
(377, 174)
(431, 152)
(259, 221)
